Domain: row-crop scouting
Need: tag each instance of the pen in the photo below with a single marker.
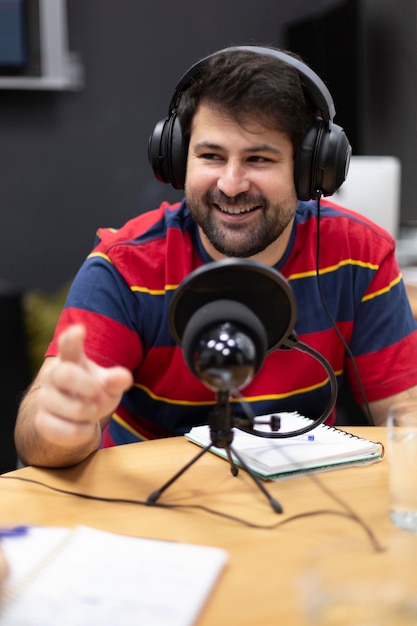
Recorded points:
(304, 437)
(13, 531)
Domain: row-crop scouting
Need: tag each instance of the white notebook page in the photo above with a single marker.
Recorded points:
(96, 578)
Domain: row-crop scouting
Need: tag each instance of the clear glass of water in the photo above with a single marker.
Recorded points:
(402, 458)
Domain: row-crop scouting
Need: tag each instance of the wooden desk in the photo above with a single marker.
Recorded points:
(261, 582)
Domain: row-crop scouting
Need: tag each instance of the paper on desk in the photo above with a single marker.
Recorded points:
(101, 578)
(24, 553)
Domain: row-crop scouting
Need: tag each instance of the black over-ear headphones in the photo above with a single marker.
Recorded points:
(320, 163)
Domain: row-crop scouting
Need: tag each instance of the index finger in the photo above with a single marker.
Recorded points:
(71, 344)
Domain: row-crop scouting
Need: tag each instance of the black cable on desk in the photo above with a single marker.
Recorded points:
(347, 513)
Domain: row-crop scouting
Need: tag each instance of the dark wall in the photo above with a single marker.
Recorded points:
(72, 161)
(334, 52)
(366, 51)
(14, 371)
(389, 89)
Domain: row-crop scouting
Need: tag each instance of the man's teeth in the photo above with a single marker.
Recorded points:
(235, 210)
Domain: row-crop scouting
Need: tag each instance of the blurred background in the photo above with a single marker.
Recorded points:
(75, 120)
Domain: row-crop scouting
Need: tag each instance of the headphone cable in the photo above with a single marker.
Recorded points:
(368, 414)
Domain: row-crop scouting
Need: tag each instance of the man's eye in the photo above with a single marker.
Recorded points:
(259, 159)
(210, 156)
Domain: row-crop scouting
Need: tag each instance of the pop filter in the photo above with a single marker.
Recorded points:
(259, 287)
(214, 293)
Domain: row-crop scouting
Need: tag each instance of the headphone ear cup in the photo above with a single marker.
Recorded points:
(154, 151)
(322, 161)
(167, 153)
(304, 161)
(336, 159)
(178, 151)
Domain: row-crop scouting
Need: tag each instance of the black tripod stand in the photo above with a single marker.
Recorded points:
(221, 423)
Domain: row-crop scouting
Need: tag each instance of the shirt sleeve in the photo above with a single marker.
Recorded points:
(102, 301)
(384, 339)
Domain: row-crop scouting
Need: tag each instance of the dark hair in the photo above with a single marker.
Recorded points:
(248, 84)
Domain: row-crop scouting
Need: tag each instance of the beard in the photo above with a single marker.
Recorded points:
(240, 239)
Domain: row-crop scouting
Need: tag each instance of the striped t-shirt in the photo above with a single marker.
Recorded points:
(123, 291)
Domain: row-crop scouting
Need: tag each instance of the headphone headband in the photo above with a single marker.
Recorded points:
(311, 82)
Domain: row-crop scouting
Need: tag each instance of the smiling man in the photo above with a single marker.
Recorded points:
(251, 139)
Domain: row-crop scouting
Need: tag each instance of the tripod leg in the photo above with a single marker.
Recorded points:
(155, 495)
(274, 503)
(233, 467)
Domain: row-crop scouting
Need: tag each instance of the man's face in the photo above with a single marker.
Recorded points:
(240, 186)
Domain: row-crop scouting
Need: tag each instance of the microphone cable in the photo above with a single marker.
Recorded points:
(346, 513)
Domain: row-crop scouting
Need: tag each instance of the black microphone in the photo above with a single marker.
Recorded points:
(224, 344)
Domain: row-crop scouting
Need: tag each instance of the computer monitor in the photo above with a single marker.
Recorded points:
(373, 188)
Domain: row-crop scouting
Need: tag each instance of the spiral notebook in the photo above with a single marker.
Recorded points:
(322, 448)
(90, 577)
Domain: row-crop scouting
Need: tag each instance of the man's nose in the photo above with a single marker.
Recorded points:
(233, 179)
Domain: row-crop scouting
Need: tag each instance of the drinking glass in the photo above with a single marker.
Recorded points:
(402, 459)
